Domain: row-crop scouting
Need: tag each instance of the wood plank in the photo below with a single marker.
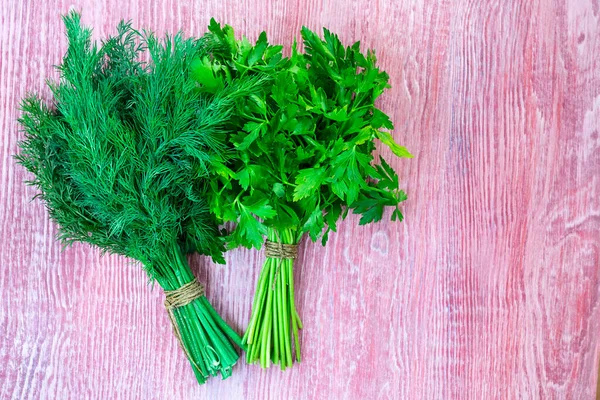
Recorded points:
(489, 289)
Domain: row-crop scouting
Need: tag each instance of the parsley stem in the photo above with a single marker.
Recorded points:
(278, 336)
(259, 298)
(293, 311)
(283, 279)
(266, 331)
(274, 323)
(282, 317)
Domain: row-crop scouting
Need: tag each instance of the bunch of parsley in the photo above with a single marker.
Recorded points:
(302, 157)
(123, 159)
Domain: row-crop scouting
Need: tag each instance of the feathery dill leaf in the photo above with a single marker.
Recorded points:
(130, 145)
(122, 160)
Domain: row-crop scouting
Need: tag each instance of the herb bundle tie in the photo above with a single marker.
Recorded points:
(179, 298)
(280, 250)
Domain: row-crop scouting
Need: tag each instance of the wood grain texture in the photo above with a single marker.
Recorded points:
(488, 290)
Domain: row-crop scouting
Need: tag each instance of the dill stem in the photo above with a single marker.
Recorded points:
(205, 336)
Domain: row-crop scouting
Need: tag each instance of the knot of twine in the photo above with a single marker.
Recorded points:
(280, 250)
(179, 298)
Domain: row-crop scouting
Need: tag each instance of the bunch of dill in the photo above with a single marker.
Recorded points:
(122, 158)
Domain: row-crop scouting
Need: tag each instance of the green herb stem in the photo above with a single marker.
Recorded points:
(207, 338)
(274, 323)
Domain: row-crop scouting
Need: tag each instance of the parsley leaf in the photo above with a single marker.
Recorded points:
(305, 139)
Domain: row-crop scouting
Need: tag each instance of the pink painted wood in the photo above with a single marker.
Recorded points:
(488, 290)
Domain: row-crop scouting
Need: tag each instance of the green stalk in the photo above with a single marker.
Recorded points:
(265, 350)
(296, 323)
(207, 339)
(281, 320)
(274, 322)
(277, 337)
(222, 324)
(284, 311)
(253, 352)
(258, 300)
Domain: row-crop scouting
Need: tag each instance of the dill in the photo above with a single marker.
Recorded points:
(122, 160)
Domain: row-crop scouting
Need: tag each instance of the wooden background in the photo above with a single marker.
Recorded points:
(488, 290)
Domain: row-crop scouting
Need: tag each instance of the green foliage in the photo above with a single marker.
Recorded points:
(303, 142)
(123, 156)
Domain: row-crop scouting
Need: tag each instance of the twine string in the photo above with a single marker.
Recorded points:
(281, 251)
(179, 298)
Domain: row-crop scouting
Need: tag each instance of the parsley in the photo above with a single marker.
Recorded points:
(301, 157)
